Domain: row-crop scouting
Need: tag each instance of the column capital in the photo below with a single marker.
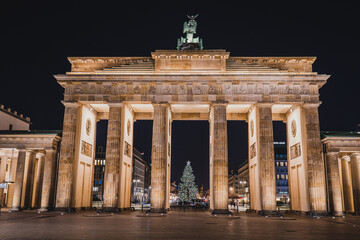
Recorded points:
(115, 104)
(332, 153)
(263, 104)
(21, 148)
(160, 103)
(355, 155)
(70, 104)
(311, 105)
(219, 103)
(345, 158)
(41, 153)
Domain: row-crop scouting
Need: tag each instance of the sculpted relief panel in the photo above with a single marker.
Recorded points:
(209, 91)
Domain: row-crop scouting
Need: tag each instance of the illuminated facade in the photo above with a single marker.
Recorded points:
(180, 85)
(28, 163)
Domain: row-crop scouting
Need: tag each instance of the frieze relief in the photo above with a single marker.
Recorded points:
(197, 89)
(227, 89)
(152, 89)
(127, 149)
(107, 89)
(252, 151)
(242, 89)
(182, 89)
(122, 89)
(137, 89)
(86, 148)
(273, 89)
(295, 151)
(147, 91)
(212, 89)
(167, 90)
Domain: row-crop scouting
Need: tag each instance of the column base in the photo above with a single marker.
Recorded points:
(110, 209)
(318, 214)
(221, 212)
(157, 210)
(64, 209)
(269, 213)
(15, 209)
(43, 209)
(338, 214)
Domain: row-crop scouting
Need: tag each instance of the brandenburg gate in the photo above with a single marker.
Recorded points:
(180, 84)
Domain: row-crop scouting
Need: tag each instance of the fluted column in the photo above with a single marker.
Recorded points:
(334, 183)
(158, 161)
(315, 163)
(218, 124)
(67, 157)
(355, 174)
(347, 185)
(112, 170)
(30, 180)
(38, 181)
(49, 161)
(3, 160)
(266, 157)
(12, 176)
(19, 178)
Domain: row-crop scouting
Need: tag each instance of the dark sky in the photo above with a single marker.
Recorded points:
(37, 37)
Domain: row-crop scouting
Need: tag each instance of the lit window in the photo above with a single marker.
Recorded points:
(281, 164)
(282, 176)
(278, 176)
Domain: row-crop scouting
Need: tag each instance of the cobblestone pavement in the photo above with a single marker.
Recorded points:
(178, 225)
(6, 216)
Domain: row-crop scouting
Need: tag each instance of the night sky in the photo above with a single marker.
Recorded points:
(38, 37)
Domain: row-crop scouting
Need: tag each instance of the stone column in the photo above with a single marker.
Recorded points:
(3, 161)
(112, 170)
(67, 155)
(315, 163)
(266, 157)
(158, 162)
(12, 176)
(219, 158)
(347, 186)
(49, 161)
(334, 183)
(38, 181)
(19, 178)
(355, 174)
(30, 180)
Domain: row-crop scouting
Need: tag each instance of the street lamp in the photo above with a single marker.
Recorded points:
(2, 186)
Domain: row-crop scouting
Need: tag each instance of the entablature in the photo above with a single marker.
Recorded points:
(342, 144)
(209, 91)
(29, 141)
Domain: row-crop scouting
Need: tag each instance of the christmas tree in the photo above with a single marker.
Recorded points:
(188, 189)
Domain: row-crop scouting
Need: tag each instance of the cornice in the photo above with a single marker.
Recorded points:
(107, 59)
(290, 77)
(310, 60)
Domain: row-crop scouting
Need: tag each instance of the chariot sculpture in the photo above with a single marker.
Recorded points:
(190, 42)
